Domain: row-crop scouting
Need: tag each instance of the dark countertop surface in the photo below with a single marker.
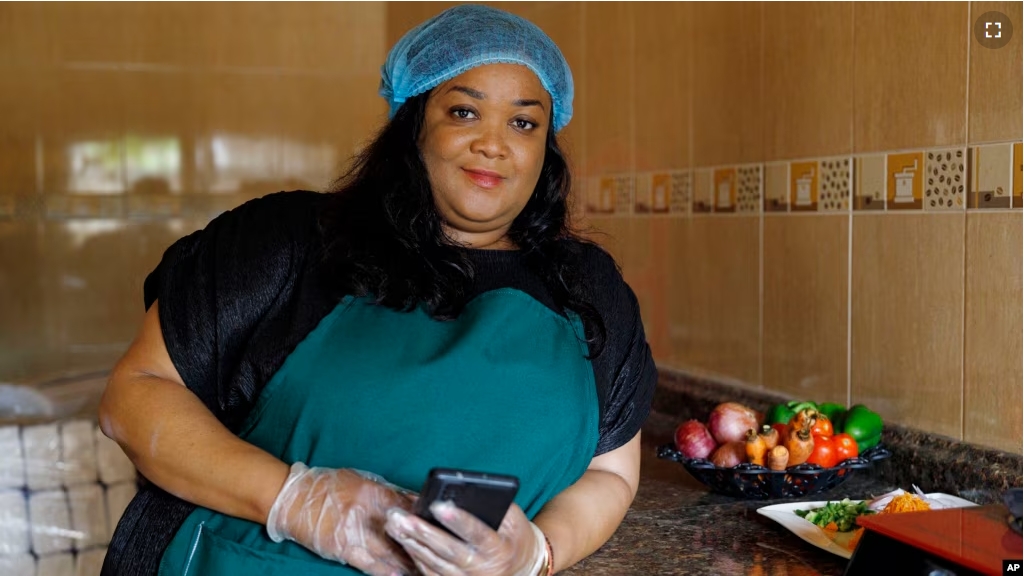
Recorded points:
(676, 526)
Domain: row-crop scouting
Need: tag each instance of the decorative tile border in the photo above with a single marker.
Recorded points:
(724, 190)
(990, 170)
(610, 195)
(663, 192)
(776, 187)
(703, 191)
(1018, 175)
(869, 183)
(835, 185)
(929, 180)
(945, 179)
(749, 188)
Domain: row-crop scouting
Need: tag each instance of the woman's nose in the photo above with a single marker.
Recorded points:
(490, 142)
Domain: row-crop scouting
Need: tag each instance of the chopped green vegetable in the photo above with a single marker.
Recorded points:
(843, 514)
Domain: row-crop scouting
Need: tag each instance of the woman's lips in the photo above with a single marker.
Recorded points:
(483, 178)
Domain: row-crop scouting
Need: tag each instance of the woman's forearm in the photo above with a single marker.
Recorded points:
(177, 444)
(584, 516)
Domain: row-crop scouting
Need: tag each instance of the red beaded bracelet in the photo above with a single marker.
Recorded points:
(551, 556)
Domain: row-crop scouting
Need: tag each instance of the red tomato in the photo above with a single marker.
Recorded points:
(845, 446)
(783, 430)
(824, 453)
(822, 427)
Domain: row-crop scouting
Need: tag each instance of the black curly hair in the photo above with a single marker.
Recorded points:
(385, 239)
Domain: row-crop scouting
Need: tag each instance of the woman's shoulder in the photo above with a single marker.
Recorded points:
(280, 208)
(595, 263)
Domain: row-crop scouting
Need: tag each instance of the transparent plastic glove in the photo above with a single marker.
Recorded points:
(340, 515)
(516, 549)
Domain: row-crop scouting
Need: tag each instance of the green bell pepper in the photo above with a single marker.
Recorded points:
(783, 413)
(836, 413)
(864, 426)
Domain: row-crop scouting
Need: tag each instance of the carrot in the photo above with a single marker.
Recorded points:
(770, 436)
(755, 447)
(799, 444)
(778, 457)
(805, 418)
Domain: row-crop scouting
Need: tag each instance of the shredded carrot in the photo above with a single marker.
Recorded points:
(906, 502)
(831, 526)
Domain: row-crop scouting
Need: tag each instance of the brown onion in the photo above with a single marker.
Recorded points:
(730, 421)
(693, 440)
(729, 454)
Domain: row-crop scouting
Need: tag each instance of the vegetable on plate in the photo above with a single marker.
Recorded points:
(838, 516)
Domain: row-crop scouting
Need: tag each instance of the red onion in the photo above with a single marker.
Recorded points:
(693, 440)
(730, 421)
(729, 454)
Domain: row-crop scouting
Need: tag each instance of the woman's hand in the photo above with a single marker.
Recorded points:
(517, 549)
(340, 515)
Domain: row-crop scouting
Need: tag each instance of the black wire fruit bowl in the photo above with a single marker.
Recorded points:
(753, 482)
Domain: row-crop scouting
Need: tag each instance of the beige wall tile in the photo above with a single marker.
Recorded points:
(995, 80)
(239, 134)
(161, 118)
(169, 33)
(647, 274)
(608, 78)
(245, 35)
(727, 120)
(805, 305)
(990, 174)
(340, 37)
(404, 16)
(715, 320)
(21, 310)
(776, 187)
(662, 73)
(83, 128)
(869, 182)
(19, 99)
(88, 31)
(910, 75)
(26, 36)
(808, 85)
(907, 318)
(992, 342)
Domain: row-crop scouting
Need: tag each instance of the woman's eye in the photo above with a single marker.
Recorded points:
(524, 124)
(463, 113)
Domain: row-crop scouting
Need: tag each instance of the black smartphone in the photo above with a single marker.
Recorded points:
(486, 496)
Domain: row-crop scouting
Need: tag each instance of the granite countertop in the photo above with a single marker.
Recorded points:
(676, 526)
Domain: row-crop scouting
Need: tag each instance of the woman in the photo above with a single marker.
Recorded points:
(306, 358)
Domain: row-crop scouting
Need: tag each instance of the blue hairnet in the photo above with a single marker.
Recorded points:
(468, 36)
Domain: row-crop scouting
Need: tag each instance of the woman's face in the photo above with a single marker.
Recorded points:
(483, 143)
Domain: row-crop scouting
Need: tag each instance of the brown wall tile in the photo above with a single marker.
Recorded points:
(608, 84)
(808, 85)
(995, 78)
(88, 31)
(727, 120)
(910, 74)
(907, 318)
(21, 312)
(805, 305)
(19, 99)
(715, 323)
(992, 343)
(662, 73)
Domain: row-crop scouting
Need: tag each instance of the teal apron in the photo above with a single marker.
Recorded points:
(505, 389)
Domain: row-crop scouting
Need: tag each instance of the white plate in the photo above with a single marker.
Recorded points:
(809, 532)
